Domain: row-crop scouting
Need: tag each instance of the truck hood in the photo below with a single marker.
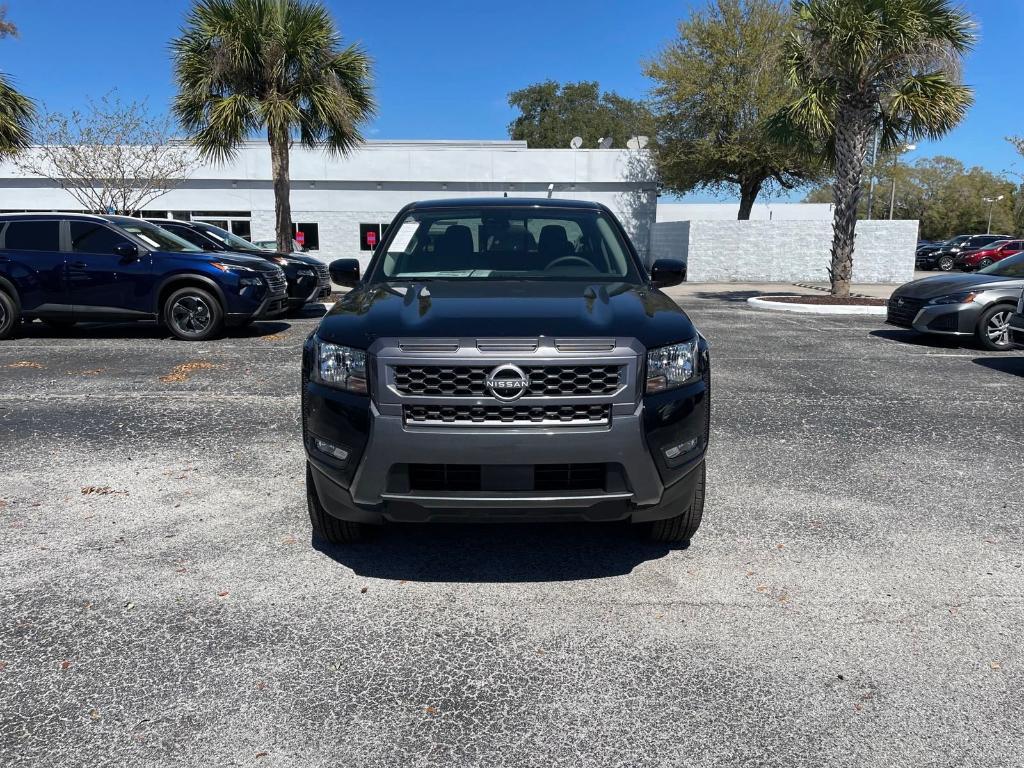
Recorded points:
(469, 309)
(940, 285)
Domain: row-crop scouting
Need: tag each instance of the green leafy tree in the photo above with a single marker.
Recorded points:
(17, 111)
(717, 84)
(947, 198)
(551, 114)
(867, 65)
(243, 66)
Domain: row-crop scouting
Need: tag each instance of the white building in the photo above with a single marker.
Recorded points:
(335, 201)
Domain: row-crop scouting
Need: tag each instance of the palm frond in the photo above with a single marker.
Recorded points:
(17, 115)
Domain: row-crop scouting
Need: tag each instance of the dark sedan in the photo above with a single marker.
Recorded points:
(308, 279)
(977, 305)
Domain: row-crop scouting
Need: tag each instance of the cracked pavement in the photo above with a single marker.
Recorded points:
(853, 598)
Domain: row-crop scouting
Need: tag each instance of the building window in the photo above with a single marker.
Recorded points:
(307, 235)
(369, 236)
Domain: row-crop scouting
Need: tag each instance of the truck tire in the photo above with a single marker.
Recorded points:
(681, 528)
(327, 528)
(192, 314)
(9, 316)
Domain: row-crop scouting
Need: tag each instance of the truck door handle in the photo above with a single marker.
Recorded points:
(79, 264)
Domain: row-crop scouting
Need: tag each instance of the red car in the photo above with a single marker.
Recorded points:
(990, 254)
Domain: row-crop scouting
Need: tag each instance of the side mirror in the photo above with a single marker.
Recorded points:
(667, 272)
(345, 272)
(126, 251)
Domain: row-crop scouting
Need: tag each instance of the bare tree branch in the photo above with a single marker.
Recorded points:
(113, 156)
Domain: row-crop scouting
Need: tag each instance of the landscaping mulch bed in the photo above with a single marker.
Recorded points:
(847, 302)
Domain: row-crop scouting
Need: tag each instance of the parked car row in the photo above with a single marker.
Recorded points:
(64, 268)
(966, 252)
(978, 305)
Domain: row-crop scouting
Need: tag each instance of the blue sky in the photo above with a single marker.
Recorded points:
(444, 68)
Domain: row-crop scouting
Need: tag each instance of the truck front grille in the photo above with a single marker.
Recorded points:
(527, 415)
(545, 381)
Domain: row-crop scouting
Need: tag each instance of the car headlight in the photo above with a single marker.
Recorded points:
(306, 273)
(671, 366)
(955, 298)
(236, 268)
(342, 367)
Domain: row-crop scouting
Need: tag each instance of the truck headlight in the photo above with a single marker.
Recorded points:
(342, 367)
(671, 366)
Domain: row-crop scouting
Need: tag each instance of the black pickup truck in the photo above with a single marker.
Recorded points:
(506, 360)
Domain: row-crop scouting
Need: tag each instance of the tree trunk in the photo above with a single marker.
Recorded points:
(282, 188)
(853, 132)
(749, 188)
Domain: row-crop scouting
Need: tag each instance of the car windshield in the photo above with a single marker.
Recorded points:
(228, 239)
(1011, 267)
(158, 239)
(536, 243)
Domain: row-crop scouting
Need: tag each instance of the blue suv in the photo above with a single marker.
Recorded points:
(64, 268)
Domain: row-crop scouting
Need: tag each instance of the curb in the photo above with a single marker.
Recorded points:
(760, 302)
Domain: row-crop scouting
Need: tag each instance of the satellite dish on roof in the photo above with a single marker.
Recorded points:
(637, 142)
(605, 143)
(576, 143)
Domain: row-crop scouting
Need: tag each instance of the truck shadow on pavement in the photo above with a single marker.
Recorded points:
(498, 553)
(1011, 365)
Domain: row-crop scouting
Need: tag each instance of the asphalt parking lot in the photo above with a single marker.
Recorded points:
(853, 598)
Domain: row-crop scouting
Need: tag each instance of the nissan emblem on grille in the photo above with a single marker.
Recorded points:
(507, 382)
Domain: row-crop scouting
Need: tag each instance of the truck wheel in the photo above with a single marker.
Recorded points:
(9, 316)
(682, 527)
(993, 329)
(326, 527)
(946, 264)
(192, 314)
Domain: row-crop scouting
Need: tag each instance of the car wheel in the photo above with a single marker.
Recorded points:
(192, 314)
(984, 263)
(993, 330)
(681, 528)
(327, 528)
(9, 316)
(946, 264)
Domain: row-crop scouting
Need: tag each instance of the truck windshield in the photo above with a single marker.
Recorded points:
(505, 244)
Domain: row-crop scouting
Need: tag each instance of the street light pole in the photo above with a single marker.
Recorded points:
(991, 201)
(895, 161)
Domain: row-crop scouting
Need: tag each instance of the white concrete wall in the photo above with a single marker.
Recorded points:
(784, 251)
(729, 211)
(373, 183)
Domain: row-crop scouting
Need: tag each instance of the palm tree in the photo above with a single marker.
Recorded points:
(17, 111)
(247, 65)
(862, 66)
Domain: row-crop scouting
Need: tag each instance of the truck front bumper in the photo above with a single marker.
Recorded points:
(634, 488)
